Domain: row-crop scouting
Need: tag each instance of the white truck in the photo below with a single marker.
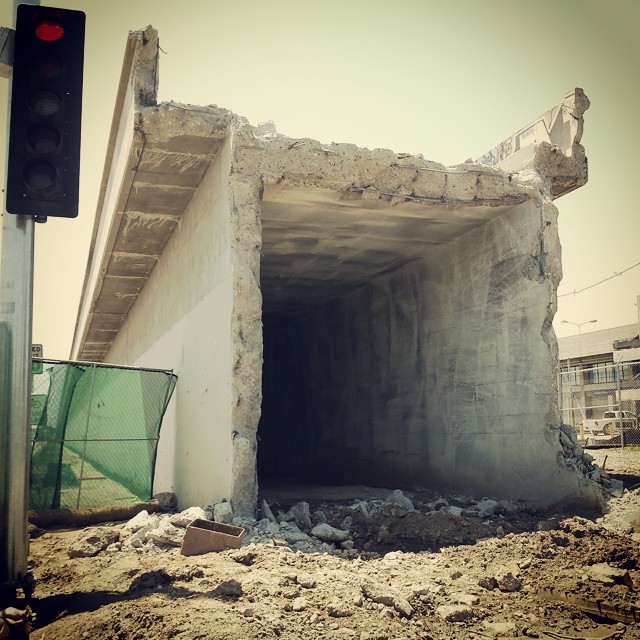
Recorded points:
(609, 425)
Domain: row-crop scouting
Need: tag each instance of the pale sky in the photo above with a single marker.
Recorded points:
(449, 80)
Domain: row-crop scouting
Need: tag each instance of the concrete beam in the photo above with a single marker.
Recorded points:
(157, 156)
(549, 145)
(7, 39)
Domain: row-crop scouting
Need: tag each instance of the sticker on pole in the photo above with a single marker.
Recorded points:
(36, 354)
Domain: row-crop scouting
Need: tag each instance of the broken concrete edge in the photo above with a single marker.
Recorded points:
(550, 144)
(454, 185)
(594, 486)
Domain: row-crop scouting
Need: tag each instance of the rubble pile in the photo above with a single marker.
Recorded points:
(573, 455)
(350, 529)
(329, 529)
(412, 565)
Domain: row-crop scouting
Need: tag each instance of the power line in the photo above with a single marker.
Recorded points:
(617, 273)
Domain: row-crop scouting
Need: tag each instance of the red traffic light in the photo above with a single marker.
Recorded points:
(49, 31)
(43, 165)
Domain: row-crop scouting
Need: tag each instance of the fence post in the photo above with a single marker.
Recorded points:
(86, 435)
(571, 416)
(618, 370)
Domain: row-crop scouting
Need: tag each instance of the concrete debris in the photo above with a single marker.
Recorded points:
(300, 514)
(337, 531)
(329, 534)
(388, 597)
(361, 506)
(166, 533)
(292, 533)
(319, 517)
(507, 579)
(167, 500)
(398, 499)
(574, 456)
(92, 541)
(266, 513)
(186, 517)
(296, 528)
(223, 513)
(486, 507)
(440, 503)
(608, 575)
(141, 520)
(454, 612)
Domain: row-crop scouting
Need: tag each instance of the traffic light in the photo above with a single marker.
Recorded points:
(43, 167)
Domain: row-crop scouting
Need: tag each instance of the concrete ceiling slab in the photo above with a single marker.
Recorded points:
(318, 244)
(131, 264)
(143, 233)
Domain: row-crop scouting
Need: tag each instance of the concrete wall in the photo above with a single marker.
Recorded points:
(182, 320)
(440, 374)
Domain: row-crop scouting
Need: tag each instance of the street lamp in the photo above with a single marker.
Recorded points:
(577, 324)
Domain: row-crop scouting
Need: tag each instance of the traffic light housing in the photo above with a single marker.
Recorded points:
(43, 167)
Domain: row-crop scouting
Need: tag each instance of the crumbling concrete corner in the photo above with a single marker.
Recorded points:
(549, 145)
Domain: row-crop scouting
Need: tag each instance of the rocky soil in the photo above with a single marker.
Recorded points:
(365, 564)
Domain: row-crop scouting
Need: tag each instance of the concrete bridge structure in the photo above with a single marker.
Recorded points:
(334, 314)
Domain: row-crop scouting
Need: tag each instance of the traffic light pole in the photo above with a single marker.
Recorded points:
(16, 276)
(16, 310)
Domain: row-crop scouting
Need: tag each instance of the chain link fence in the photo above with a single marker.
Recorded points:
(602, 403)
(94, 433)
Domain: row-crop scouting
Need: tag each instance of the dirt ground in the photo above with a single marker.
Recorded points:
(429, 576)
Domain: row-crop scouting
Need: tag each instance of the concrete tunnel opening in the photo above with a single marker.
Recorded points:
(326, 316)
(377, 318)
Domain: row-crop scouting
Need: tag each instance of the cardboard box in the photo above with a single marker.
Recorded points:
(203, 536)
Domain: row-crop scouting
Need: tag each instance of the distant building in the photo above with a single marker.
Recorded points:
(599, 348)
(599, 371)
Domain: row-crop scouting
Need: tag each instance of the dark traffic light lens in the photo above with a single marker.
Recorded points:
(39, 175)
(43, 139)
(45, 103)
(47, 66)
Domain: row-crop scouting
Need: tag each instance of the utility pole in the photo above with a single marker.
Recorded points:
(16, 310)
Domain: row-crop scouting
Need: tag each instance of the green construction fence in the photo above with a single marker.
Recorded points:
(94, 433)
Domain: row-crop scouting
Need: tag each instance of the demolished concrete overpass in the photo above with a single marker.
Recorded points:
(333, 313)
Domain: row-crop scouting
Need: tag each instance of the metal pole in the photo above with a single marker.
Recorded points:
(618, 370)
(16, 309)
